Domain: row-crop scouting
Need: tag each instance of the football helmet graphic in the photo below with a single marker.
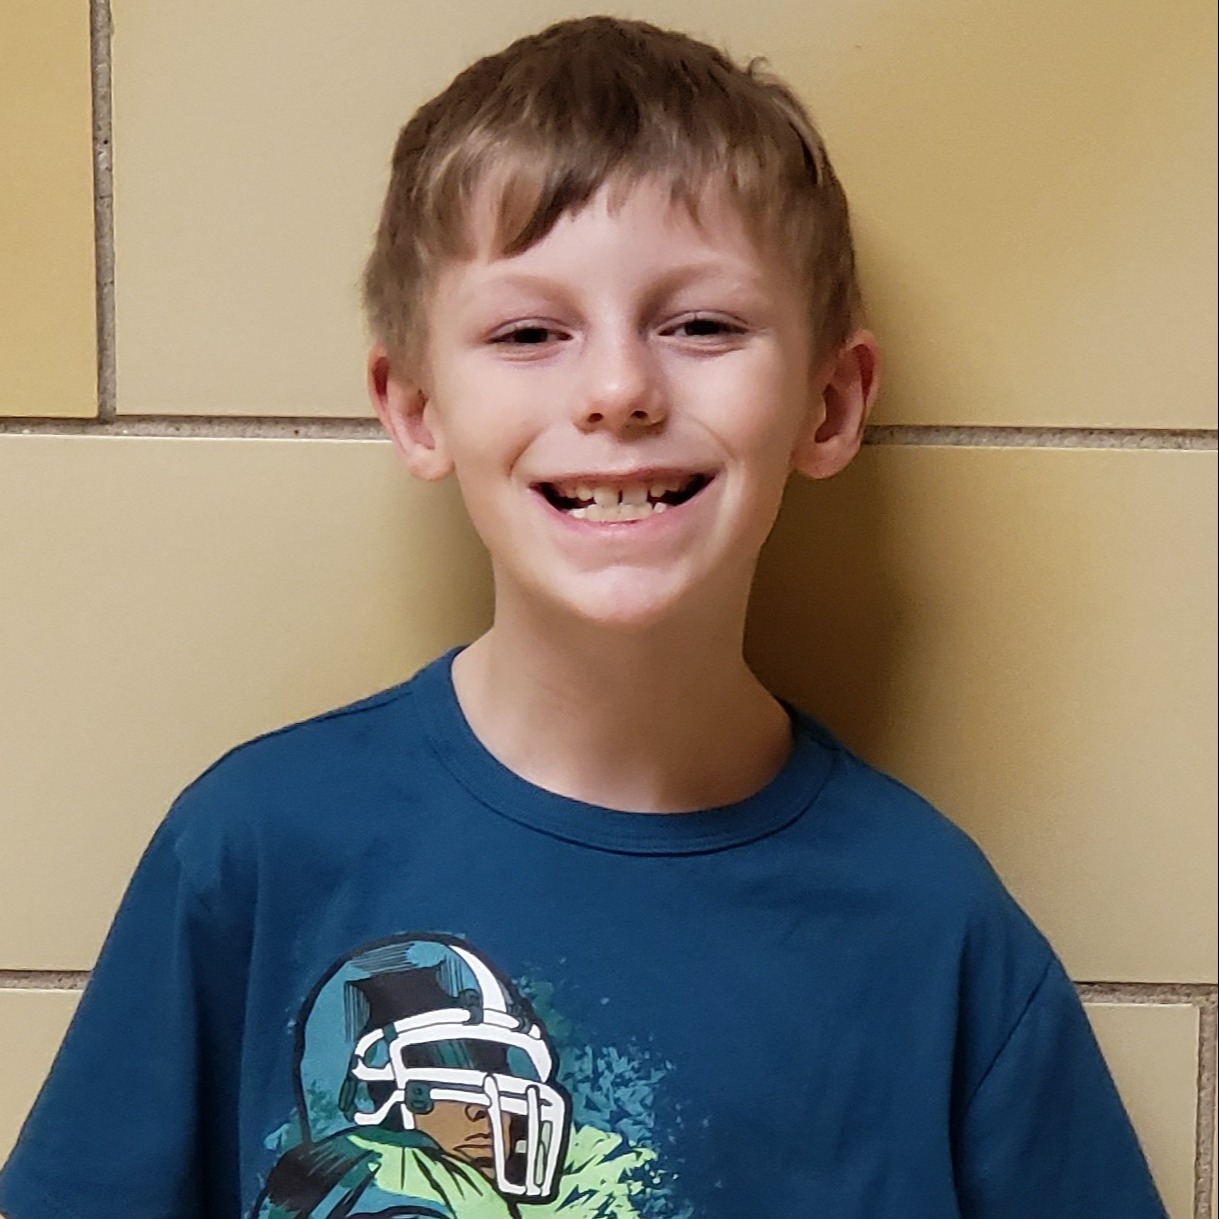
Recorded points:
(422, 1020)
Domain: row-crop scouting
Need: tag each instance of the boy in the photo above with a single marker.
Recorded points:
(580, 921)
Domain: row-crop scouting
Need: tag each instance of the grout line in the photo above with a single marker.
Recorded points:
(1204, 1124)
(971, 436)
(358, 427)
(43, 979)
(101, 29)
(1194, 994)
(259, 427)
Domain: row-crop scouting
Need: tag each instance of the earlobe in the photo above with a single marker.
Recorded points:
(405, 413)
(845, 389)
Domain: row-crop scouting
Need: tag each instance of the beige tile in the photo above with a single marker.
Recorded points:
(1152, 1051)
(1037, 225)
(32, 1024)
(1028, 637)
(1034, 188)
(176, 597)
(47, 315)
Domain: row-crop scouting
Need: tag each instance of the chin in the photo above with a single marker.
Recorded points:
(625, 621)
(623, 606)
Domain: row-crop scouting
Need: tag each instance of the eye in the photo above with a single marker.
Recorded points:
(704, 326)
(527, 334)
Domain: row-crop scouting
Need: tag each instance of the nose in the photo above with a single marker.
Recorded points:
(622, 388)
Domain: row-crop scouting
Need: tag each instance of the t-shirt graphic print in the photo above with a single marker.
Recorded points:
(427, 1085)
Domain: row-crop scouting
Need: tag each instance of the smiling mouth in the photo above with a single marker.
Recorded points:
(631, 501)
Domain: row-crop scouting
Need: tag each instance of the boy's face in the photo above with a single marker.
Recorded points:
(622, 404)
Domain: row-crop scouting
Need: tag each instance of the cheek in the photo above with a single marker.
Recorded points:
(755, 405)
(483, 430)
(761, 435)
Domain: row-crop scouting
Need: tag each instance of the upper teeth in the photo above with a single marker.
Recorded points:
(630, 493)
(624, 502)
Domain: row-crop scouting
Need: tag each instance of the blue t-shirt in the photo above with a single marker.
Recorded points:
(365, 970)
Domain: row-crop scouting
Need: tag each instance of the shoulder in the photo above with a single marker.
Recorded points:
(903, 839)
(273, 794)
(300, 753)
(938, 919)
(895, 854)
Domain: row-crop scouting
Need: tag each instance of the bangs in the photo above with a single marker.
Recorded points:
(515, 190)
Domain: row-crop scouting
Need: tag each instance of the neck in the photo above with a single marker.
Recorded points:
(667, 719)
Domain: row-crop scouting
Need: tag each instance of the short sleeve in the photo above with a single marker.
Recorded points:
(1045, 1133)
(124, 1125)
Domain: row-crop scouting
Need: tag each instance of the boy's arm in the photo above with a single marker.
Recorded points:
(1045, 1132)
(131, 1118)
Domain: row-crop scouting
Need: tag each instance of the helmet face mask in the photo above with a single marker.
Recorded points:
(527, 1115)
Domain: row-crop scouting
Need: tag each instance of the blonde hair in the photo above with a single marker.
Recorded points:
(548, 121)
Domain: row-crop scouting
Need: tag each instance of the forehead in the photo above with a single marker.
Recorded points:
(625, 226)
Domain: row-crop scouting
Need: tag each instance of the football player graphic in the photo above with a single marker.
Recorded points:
(425, 1087)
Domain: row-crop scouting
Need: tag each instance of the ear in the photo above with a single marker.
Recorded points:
(407, 417)
(844, 389)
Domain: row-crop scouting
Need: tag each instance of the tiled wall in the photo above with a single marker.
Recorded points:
(1009, 600)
